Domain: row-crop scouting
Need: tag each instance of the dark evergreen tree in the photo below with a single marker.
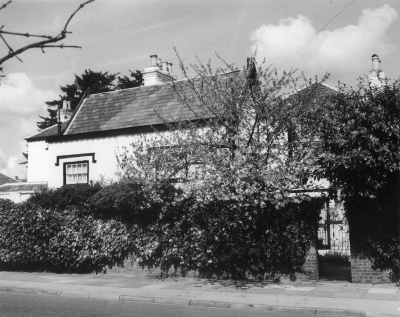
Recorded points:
(362, 160)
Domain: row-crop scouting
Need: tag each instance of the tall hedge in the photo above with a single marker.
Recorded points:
(36, 239)
(162, 226)
(222, 238)
(64, 197)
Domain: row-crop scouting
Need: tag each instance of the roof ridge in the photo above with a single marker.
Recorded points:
(163, 84)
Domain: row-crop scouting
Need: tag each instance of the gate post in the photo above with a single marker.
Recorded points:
(311, 265)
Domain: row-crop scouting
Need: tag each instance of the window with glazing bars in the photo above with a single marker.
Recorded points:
(76, 173)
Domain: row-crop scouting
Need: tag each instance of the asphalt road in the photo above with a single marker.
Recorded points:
(14, 304)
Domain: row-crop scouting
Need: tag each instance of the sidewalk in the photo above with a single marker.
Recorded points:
(322, 297)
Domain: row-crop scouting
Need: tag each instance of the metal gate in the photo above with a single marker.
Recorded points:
(334, 266)
(334, 251)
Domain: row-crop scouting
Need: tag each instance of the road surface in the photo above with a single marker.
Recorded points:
(21, 305)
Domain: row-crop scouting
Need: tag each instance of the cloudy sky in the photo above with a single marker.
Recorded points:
(313, 36)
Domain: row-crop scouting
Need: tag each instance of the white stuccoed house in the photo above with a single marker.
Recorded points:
(85, 146)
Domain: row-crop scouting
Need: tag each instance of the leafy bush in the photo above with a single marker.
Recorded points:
(64, 197)
(230, 240)
(362, 146)
(374, 223)
(32, 238)
(133, 202)
(162, 226)
(334, 257)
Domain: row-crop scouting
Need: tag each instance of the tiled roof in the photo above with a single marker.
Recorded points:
(320, 90)
(133, 108)
(5, 179)
(325, 90)
(51, 131)
(127, 108)
(136, 107)
(21, 187)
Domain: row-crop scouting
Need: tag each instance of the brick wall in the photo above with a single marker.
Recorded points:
(362, 272)
(130, 267)
(311, 265)
(310, 268)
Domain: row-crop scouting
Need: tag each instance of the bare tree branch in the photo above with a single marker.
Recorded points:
(5, 4)
(9, 47)
(40, 44)
(61, 46)
(25, 34)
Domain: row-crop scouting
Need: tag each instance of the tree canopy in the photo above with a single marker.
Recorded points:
(243, 181)
(362, 162)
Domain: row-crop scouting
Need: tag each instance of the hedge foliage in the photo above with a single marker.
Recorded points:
(362, 146)
(334, 257)
(127, 201)
(72, 240)
(222, 238)
(77, 232)
(64, 197)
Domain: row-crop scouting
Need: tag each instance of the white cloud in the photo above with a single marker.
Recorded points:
(345, 50)
(18, 95)
(21, 103)
(27, 126)
(10, 166)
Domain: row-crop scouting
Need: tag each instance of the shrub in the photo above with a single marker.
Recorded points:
(133, 202)
(32, 238)
(334, 257)
(64, 197)
(228, 239)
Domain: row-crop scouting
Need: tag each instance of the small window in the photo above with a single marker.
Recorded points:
(76, 173)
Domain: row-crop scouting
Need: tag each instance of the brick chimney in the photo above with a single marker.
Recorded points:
(158, 73)
(376, 76)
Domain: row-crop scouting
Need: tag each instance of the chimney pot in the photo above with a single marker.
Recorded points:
(158, 74)
(153, 60)
(376, 77)
(165, 66)
(375, 62)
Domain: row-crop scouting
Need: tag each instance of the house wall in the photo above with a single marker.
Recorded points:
(16, 197)
(38, 162)
(102, 158)
(104, 151)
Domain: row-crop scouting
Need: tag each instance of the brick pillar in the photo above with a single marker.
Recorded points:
(362, 271)
(311, 265)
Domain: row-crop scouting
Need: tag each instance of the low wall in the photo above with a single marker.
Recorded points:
(131, 267)
(362, 272)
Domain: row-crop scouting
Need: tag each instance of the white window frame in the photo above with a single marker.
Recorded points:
(76, 172)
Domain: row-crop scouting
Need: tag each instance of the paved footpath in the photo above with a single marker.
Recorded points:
(325, 298)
